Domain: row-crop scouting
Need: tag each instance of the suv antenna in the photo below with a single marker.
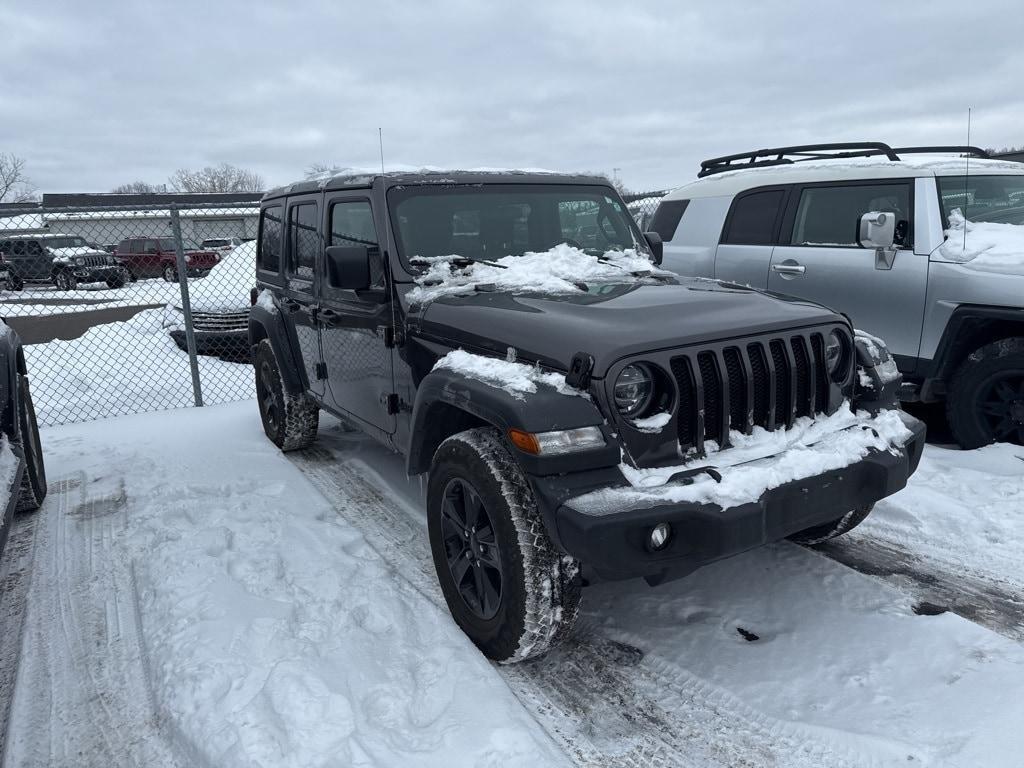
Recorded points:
(967, 176)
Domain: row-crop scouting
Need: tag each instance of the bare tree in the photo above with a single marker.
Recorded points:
(140, 188)
(321, 169)
(14, 186)
(223, 178)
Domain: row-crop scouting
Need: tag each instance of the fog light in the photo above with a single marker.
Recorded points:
(660, 534)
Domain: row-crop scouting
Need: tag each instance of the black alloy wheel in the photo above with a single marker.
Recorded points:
(1001, 405)
(271, 408)
(471, 549)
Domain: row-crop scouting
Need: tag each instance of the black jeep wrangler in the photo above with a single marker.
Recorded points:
(580, 412)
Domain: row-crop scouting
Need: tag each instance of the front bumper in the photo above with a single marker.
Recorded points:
(614, 544)
(97, 274)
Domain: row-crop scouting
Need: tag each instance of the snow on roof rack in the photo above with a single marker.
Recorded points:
(787, 155)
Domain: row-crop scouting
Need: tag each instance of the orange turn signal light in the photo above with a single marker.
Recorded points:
(526, 442)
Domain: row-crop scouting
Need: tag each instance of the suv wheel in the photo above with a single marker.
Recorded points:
(506, 585)
(118, 281)
(290, 421)
(65, 281)
(819, 533)
(170, 274)
(14, 283)
(985, 402)
(33, 482)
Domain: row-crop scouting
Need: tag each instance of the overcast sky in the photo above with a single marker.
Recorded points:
(94, 94)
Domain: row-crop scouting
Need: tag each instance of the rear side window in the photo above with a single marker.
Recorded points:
(302, 240)
(830, 216)
(271, 230)
(753, 218)
(666, 218)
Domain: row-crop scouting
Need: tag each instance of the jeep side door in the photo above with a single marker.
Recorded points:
(818, 258)
(354, 326)
(298, 296)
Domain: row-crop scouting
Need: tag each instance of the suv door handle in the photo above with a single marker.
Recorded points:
(291, 304)
(789, 269)
(329, 314)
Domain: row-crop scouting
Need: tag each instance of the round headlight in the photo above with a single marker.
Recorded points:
(835, 353)
(634, 389)
(80, 261)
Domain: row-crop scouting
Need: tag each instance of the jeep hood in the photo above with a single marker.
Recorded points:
(609, 321)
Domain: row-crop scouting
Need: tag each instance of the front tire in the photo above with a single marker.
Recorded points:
(507, 587)
(65, 281)
(821, 533)
(290, 421)
(33, 483)
(117, 282)
(170, 274)
(985, 402)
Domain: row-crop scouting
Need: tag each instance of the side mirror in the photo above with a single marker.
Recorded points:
(348, 267)
(877, 230)
(657, 246)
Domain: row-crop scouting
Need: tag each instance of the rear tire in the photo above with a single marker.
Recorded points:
(290, 421)
(14, 283)
(985, 403)
(820, 533)
(65, 281)
(483, 523)
(33, 483)
(170, 274)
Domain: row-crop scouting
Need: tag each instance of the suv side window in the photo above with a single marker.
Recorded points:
(666, 218)
(753, 218)
(303, 239)
(352, 224)
(124, 246)
(830, 216)
(271, 230)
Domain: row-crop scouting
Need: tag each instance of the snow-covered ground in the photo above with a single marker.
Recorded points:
(38, 300)
(125, 367)
(197, 598)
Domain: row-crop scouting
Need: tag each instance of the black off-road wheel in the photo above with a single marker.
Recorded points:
(33, 483)
(290, 421)
(14, 283)
(117, 282)
(170, 274)
(506, 585)
(985, 402)
(65, 281)
(820, 533)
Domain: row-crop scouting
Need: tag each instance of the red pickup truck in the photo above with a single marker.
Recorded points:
(155, 257)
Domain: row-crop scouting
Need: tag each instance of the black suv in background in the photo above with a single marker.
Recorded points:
(580, 412)
(64, 260)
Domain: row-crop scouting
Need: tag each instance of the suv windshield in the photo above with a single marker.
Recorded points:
(996, 199)
(65, 242)
(496, 220)
(215, 243)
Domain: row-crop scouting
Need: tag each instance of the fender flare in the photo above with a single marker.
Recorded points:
(13, 365)
(443, 393)
(265, 324)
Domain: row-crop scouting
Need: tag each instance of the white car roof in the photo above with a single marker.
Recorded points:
(728, 183)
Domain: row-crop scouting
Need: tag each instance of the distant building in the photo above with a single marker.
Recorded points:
(1017, 156)
(101, 217)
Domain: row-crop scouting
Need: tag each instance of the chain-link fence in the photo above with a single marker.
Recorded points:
(130, 309)
(642, 205)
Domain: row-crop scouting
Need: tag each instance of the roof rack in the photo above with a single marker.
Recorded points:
(788, 155)
(958, 149)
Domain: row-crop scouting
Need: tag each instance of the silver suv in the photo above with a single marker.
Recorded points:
(922, 246)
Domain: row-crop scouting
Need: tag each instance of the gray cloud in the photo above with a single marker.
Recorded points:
(93, 95)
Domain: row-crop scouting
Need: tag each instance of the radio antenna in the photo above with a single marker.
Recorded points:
(967, 176)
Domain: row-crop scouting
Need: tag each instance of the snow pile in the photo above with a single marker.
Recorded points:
(562, 269)
(226, 288)
(73, 251)
(989, 246)
(265, 300)
(518, 379)
(757, 462)
(8, 470)
(886, 370)
(653, 423)
(125, 367)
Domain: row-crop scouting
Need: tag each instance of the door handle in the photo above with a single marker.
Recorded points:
(329, 314)
(291, 304)
(789, 269)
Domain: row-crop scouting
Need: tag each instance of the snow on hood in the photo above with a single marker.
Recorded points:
(562, 269)
(518, 379)
(226, 288)
(990, 247)
(72, 252)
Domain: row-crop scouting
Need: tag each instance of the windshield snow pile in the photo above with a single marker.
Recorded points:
(757, 462)
(518, 379)
(562, 269)
(990, 247)
(226, 288)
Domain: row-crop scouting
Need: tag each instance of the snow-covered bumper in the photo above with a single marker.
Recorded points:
(609, 529)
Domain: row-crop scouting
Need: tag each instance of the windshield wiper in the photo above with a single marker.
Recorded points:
(462, 261)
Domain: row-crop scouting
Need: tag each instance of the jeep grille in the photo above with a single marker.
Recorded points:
(766, 383)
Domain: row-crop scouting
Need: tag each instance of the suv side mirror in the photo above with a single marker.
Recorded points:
(348, 267)
(877, 230)
(657, 246)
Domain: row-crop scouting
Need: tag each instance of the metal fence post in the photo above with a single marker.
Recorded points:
(186, 305)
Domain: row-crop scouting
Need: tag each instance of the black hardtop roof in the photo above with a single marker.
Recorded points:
(354, 179)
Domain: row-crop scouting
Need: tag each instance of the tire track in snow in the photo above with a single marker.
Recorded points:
(600, 700)
(993, 604)
(82, 696)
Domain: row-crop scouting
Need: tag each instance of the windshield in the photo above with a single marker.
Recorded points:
(497, 220)
(66, 242)
(997, 199)
(215, 243)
